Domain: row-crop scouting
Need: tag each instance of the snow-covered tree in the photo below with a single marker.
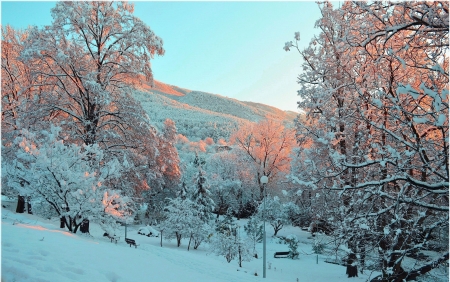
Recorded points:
(20, 99)
(244, 250)
(168, 160)
(183, 219)
(227, 224)
(201, 195)
(268, 145)
(183, 193)
(231, 185)
(16, 82)
(224, 245)
(199, 232)
(177, 215)
(318, 245)
(89, 57)
(67, 179)
(375, 93)
(292, 241)
(91, 52)
(227, 241)
(254, 230)
(165, 181)
(293, 212)
(274, 213)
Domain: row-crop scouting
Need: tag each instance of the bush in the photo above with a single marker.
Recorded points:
(293, 245)
(318, 246)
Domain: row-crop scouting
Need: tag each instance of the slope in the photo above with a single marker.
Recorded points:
(199, 114)
(35, 249)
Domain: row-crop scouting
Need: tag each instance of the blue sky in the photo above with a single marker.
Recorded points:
(234, 49)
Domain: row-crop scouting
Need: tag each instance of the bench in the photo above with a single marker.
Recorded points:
(131, 242)
(281, 254)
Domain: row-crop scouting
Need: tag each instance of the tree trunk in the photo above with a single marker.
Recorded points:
(178, 238)
(276, 229)
(84, 226)
(352, 271)
(29, 205)
(197, 244)
(190, 239)
(362, 256)
(62, 222)
(20, 204)
(240, 256)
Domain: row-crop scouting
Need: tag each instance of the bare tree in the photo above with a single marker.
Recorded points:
(268, 145)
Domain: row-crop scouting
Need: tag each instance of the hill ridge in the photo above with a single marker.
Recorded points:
(199, 114)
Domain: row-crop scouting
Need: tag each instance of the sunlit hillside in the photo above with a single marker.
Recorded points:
(199, 114)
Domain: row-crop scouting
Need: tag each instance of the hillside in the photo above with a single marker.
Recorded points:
(36, 249)
(198, 115)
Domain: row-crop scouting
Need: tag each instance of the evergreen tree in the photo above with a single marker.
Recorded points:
(202, 196)
(292, 241)
(227, 225)
(183, 193)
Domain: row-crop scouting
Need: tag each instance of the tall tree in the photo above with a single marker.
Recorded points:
(92, 52)
(391, 195)
(268, 146)
(201, 195)
(91, 55)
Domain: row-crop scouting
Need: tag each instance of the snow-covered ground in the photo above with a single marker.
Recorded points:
(35, 249)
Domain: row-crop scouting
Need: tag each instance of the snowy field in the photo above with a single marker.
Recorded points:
(34, 249)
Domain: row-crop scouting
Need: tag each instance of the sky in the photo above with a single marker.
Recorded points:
(234, 49)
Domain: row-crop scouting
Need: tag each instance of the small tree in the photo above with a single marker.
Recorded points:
(200, 234)
(292, 241)
(202, 196)
(227, 242)
(179, 213)
(223, 245)
(274, 213)
(254, 230)
(223, 242)
(182, 218)
(318, 245)
(244, 252)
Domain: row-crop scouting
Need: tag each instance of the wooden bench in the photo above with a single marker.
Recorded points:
(131, 242)
(281, 255)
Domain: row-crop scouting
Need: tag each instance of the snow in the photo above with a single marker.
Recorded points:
(148, 231)
(35, 249)
(200, 114)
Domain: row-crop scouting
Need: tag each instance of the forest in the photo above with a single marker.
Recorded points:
(365, 162)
